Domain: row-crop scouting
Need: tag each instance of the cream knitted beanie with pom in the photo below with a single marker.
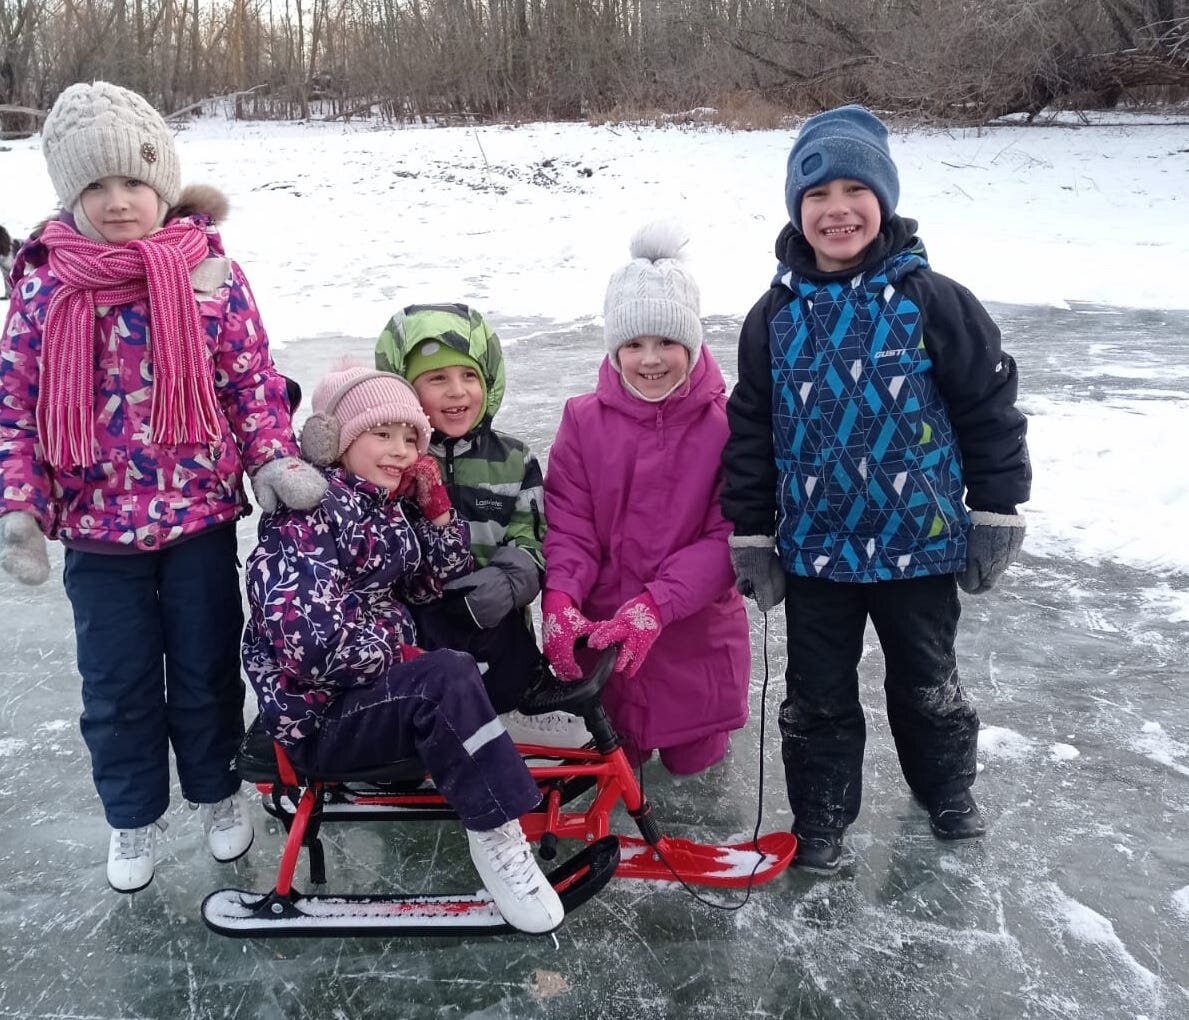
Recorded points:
(655, 294)
(102, 130)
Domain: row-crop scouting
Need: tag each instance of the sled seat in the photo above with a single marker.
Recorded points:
(256, 762)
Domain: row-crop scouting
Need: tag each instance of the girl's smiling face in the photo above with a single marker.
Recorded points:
(122, 209)
(382, 454)
(653, 366)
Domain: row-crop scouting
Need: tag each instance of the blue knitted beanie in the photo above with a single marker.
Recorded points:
(845, 142)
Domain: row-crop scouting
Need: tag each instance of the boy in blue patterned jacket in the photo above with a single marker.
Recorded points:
(874, 406)
(331, 646)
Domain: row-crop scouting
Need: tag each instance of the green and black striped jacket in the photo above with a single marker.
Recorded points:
(494, 480)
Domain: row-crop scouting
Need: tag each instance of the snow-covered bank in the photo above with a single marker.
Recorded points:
(337, 223)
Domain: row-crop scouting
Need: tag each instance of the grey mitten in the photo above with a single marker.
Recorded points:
(23, 552)
(992, 546)
(290, 481)
(759, 573)
(522, 572)
(487, 593)
(512, 579)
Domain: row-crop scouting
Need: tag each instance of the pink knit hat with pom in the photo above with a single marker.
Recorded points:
(353, 400)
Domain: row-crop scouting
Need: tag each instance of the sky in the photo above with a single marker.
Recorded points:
(339, 225)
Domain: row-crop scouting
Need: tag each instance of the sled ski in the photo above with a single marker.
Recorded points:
(737, 865)
(242, 914)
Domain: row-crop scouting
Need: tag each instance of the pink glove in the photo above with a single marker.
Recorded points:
(422, 483)
(561, 627)
(634, 627)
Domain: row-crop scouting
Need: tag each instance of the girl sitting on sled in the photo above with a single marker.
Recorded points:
(330, 646)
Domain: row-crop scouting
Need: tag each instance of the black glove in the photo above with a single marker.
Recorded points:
(991, 547)
(759, 573)
(511, 580)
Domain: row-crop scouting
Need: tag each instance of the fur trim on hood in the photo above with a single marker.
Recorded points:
(200, 200)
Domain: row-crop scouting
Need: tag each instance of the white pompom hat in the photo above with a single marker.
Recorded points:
(655, 294)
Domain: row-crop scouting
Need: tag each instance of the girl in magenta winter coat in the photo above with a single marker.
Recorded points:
(636, 551)
(136, 390)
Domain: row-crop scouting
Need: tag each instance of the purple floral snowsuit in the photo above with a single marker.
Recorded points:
(329, 650)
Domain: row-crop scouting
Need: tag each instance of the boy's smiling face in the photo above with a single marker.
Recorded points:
(839, 220)
(453, 397)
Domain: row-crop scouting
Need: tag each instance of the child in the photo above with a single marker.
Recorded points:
(636, 552)
(330, 644)
(872, 392)
(132, 454)
(453, 359)
(8, 249)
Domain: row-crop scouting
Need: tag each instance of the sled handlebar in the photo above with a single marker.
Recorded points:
(548, 694)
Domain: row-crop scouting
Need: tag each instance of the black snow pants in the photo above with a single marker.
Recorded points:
(821, 721)
(507, 653)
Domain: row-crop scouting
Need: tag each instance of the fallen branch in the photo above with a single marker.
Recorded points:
(214, 99)
(27, 111)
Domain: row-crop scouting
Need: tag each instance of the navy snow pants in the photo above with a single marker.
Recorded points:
(158, 637)
(433, 707)
(507, 653)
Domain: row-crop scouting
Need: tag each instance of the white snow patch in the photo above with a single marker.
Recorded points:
(1000, 742)
(1168, 600)
(1064, 752)
(1180, 900)
(55, 726)
(1154, 743)
(1074, 445)
(12, 745)
(1088, 926)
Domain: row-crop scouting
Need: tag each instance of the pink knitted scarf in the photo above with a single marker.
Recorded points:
(185, 408)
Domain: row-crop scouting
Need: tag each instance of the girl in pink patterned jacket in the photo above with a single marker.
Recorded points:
(136, 389)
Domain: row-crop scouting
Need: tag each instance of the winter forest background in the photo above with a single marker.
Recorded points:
(752, 61)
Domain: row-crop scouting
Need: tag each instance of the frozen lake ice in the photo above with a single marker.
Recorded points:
(1075, 905)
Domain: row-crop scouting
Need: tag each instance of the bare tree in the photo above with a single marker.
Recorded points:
(958, 61)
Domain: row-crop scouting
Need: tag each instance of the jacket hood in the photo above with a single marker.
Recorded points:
(793, 251)
(705, 385)
(456, 325)
(200, 200)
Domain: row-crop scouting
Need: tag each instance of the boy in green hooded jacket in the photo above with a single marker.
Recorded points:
(452, 357)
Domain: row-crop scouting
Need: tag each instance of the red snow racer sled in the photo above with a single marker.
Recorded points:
(599, 776)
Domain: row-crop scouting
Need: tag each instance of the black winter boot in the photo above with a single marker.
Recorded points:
(818, 850)
(956, 816)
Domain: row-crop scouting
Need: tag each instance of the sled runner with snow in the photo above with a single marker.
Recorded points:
(402, 791)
